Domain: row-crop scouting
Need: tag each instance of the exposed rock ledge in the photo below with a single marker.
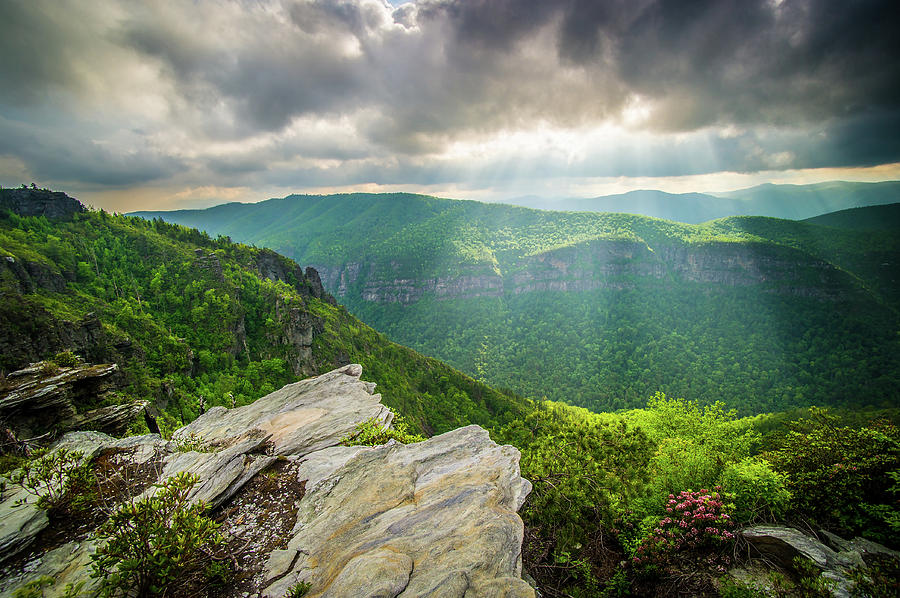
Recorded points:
(835, 557)
(436, 518)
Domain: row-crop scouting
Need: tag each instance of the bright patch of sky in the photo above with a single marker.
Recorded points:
(161, 105)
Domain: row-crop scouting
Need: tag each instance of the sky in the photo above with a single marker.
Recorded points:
(160, 105)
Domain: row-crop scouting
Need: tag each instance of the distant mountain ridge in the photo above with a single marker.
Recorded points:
(600, 309)
(791, 202)
(885, 217)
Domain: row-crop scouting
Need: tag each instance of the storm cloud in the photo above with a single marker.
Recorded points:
(343, 92)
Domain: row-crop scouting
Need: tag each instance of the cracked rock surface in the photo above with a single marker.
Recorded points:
(435, 518)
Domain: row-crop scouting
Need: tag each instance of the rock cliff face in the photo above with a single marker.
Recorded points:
(42, 399)
(600, 264)
(276, 267)
(39, 202)
(436, 518)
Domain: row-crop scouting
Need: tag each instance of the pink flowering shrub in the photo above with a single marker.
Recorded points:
(693, 520)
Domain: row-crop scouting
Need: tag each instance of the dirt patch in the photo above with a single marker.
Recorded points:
(257, 520)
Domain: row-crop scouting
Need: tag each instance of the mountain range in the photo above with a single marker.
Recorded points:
(601, 310)
(793, 202)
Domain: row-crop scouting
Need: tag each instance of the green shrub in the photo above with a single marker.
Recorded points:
(298, 590)
(811, 583)
(59, 478)
(35, 588)
(191, 442)
(839, 476)
(153, 546)
(759, 492)
(732, 588)
(66, 359)
(880, 578)
(372, 433)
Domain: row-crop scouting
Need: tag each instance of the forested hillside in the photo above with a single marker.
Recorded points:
(871, 218)
(187, 316)
(602, 310)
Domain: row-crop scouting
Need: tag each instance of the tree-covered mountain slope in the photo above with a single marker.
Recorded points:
(602, 310)
(870, 218)
(187, 316)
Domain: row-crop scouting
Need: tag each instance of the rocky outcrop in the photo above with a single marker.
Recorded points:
(112, 419)
(316, 288)
(40, 202)
(298, 329)
(208, 261)
(436, 518)
(29, 276)
(276, 267)
(45, 398)
(299, 418)
(26, 340)
(406, 291)
(447, 505)
(784, 544)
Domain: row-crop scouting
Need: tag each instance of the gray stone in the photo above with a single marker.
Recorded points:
(299, 418)
(784, 544)
(436, 518)
(220, 473)
(112, 419)
(67, 564)
(34, 391)
(386, 575)
(449, 504)
(19, 525)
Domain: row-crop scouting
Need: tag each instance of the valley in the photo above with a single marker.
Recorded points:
(602, 310)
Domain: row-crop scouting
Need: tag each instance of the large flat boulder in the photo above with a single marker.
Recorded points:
(436, 518)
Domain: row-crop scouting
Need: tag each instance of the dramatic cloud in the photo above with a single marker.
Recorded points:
(309, 93)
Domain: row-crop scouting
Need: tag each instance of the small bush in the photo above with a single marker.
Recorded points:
(66, 359)
(372, 433)
(880, 578)
(840, 476)
(35, 588)
(811, 583)
(732, 588)
(59, 478)
(759, 491)
(155, 545)
(298, 590)
(192, 442)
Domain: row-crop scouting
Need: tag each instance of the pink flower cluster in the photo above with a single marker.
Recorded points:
(695, 519)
